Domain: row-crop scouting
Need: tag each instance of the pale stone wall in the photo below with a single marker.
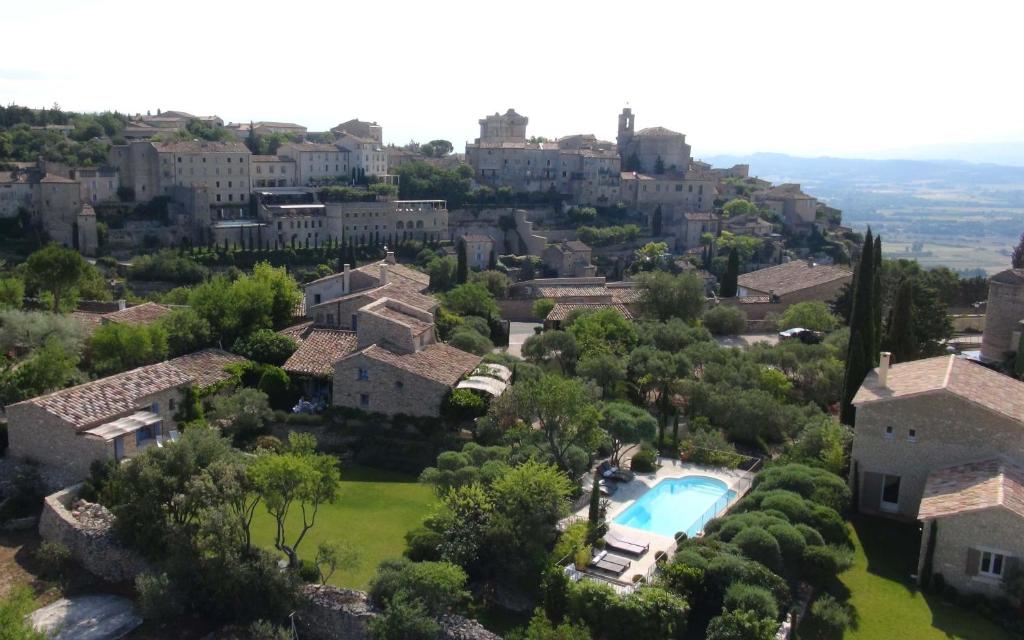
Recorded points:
(13, 196)
(388, 390)
(338, 315)
(392, 221)
(272, 172)
(993, 529)
(57, 205)
(225, 174)
(949, 431)
(1004, 311)
(93, 546)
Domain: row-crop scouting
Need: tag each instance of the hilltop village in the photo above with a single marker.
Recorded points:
(265, 382)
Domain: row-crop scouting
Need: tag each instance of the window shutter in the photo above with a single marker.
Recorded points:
(1010, 566)
(973, 562)
(871, 491)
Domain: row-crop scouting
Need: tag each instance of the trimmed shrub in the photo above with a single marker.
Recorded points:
(275, 383)
(645, 460)
(811, 535)
(789, 503)
(830, 616)
(830, 525)
(820, 565)
(818, 485)
(725, 320)
(749, 597)
(791, 541)
(759, 545)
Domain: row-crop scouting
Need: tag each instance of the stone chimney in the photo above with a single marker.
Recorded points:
(383, 274)
(390, 257)
(347, 280)
(883, 368)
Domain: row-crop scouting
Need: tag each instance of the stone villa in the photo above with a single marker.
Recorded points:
(370, 342)
(111, 418)
(939, 440)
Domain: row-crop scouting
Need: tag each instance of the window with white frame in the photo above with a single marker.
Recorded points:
(889, 432)
(991, 564)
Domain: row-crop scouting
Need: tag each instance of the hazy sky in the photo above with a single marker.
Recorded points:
(816, 77)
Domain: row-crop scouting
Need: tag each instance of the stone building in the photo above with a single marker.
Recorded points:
(415, 383)
(360, 129)
(652, 150)
(1004, 314)
(111, 418)
(695, 225)
(507, 127)
(479, 248)
(975, 512)
(917, 417)
(367, 157)
(273, 171)
(316, 161)
(97, 184)
(938, 440)
(569, 259)
(795, 208)
(795, 281)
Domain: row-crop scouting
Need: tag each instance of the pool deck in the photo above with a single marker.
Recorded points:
(628, 493)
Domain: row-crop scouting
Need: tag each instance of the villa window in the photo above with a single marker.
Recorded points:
(170, 404)
(316, 298)
(399, 384)
(364, 399)
(362, 374)
(155, 407)
(992, 564)
(912, 435)
(888, 433)
(143, 434)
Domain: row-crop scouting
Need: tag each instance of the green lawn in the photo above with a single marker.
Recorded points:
(888, 605)
(374, 511)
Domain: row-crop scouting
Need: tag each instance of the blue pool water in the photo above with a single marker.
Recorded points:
(677, 504)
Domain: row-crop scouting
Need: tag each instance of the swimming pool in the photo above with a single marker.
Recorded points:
(677, 504)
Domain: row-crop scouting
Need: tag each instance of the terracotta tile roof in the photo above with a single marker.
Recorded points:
(1010, 276)
(88, 319)
(793, 276)
(298, 332)
(397, 315)
(959, 376)
(206, 367)
(974, 486)
(584, 291)
(396, 271)
(93, 402)
(398, 290)
(141, 314)
(657, 131)
(626, 295)
(51, 178)
(319, 350)
(202, 146)
(438, 362)
(562, 310)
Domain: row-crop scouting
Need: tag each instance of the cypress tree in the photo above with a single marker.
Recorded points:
(462, 267)
(876, 302)
(594, 515)
(861, 353)
(899, 336)
(656, 222)
(732, 273)
(856, 369)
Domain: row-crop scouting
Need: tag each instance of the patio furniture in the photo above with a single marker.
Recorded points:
(612, 564)
(609, 472)
(607, 489)
(626, 544)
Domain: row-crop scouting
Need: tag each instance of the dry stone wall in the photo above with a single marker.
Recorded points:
(87, 530)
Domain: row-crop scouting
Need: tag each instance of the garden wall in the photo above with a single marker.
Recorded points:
(331, 613)
(86, 529)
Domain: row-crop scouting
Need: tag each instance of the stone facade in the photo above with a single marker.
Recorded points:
(316, 161)
(1003, 315)
(36, 434)
(960, 538)
(273, 171)
(948, 430)
(97, 184)
(371, 385)
(87, 531)
(650, 145)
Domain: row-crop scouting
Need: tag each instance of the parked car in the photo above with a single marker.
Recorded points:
(805, 336)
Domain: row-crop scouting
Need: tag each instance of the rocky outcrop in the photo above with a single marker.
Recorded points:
(86, 529)
(331, 613)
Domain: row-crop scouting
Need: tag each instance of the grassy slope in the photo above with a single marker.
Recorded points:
(887, 604)
(374, 511)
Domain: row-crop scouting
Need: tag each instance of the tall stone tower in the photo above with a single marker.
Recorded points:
(1003, 315)
(626, 122)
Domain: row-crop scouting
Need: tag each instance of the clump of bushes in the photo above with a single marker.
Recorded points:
(725, 320)
(645, 460)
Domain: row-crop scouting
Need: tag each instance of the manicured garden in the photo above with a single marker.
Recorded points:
(888, 604)
(373, 512)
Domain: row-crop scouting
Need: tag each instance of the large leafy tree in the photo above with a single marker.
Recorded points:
(116, 347)
(552, 346)
(298, 477)
(58, 271)
(655, 374)
(564, 411)
(605, 330)
(627, 424)
(664, 296)
(471, 299)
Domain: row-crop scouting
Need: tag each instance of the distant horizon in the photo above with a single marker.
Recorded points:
(805, 78)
